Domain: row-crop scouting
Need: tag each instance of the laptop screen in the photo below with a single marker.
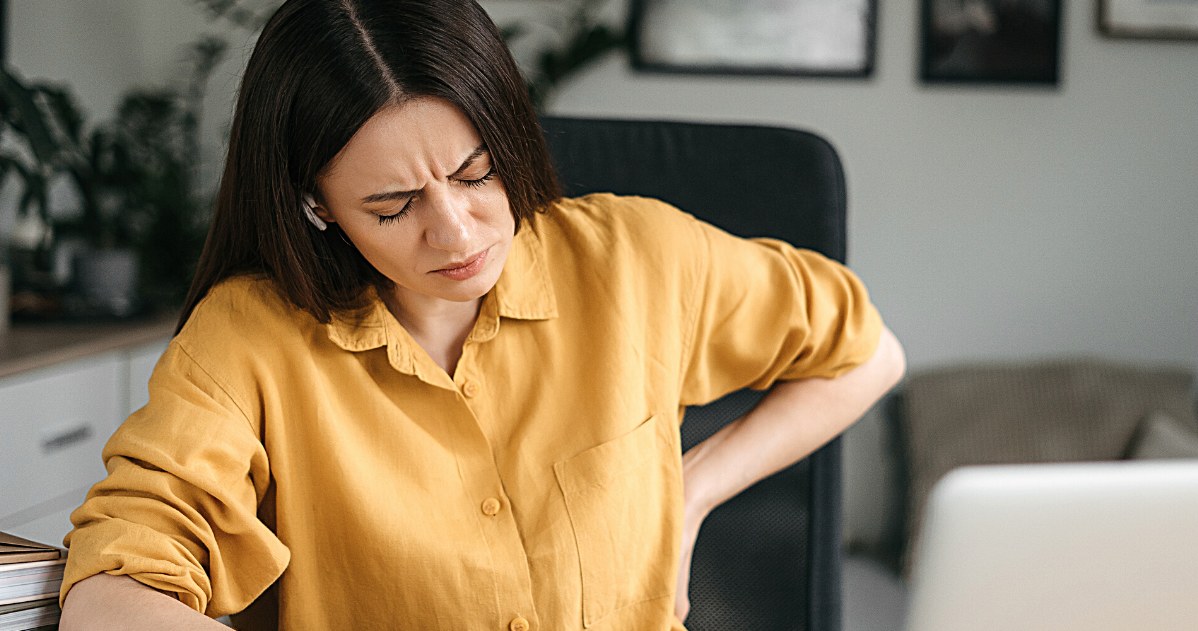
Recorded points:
(1085, 546)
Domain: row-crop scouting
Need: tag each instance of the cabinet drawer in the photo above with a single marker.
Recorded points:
(53, 425)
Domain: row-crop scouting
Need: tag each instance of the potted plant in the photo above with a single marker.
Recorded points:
(58, 145)
(142, 219)
(33, 155)
(140, 216)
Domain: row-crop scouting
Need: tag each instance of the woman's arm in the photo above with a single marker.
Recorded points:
(793, 420)
(105, 602)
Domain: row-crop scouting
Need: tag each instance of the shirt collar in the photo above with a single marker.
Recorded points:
(523, 292)
(361, 330)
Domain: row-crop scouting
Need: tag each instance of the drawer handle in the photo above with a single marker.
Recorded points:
(66, 438)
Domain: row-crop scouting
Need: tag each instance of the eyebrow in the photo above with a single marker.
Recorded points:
(388, 196)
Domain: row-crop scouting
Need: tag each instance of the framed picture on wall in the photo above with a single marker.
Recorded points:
(1161, 19)
(990, 41)
(4, 30)
(760, 37)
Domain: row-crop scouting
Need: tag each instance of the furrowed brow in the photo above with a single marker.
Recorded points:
(391, 196)
(466, 164)
(388, 196)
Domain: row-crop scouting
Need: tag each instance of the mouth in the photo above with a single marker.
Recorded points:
(464, 269)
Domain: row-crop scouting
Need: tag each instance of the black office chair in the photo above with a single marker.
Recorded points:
(768, 560)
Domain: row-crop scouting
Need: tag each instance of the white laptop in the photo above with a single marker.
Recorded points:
(1060, 547)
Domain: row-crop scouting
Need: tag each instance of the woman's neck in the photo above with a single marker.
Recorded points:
(439, 326)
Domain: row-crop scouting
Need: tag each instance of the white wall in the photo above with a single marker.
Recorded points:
(97, 47)
(990, 222)
(102, 49)
(994, 222)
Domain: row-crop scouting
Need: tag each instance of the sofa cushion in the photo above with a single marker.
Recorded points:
(1163, 436)
(1055, 411)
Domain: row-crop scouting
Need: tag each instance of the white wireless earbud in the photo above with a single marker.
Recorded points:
(309, 205)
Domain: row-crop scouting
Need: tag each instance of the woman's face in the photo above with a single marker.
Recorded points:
(416, 192)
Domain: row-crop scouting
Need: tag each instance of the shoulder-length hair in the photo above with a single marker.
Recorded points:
(320, 70)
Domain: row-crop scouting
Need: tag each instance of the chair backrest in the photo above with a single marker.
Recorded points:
(769, 559)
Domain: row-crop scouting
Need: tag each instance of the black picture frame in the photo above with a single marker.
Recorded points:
(990, 41)
(682, 36)
(4, 31)
(1146, 19)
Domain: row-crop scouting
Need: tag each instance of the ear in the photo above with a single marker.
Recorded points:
(319, 210)
(308, 205)
(323, 213)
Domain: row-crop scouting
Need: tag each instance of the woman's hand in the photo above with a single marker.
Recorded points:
(793, 420)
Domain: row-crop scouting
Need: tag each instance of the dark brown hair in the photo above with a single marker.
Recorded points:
(320, 70)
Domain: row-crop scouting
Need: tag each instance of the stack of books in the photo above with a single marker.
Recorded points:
(30, 574)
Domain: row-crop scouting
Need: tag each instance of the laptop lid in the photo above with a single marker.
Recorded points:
(1060, 547)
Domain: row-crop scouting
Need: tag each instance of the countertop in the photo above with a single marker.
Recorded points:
(29, 346)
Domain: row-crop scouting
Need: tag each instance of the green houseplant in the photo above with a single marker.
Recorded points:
(40, 142)
(36, 155)
(140, 212)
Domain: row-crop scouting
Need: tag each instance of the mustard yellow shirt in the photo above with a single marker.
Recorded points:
(538, 487)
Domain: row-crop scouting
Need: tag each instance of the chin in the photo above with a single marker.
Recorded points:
(468, 290)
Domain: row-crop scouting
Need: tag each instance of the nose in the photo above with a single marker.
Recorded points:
(450, 225)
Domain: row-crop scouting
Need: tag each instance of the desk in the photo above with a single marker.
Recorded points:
(26, 346)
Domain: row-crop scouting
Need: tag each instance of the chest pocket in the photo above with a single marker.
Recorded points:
(624, 498)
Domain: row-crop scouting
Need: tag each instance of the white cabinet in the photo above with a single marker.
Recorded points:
(54, 422)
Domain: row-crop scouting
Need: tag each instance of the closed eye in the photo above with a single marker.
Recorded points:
(467, 164)
(399, 214)
(476, 183)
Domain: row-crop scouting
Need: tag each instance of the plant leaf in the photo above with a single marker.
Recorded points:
(26, 116)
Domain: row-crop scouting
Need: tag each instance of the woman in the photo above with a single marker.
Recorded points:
(414, 388)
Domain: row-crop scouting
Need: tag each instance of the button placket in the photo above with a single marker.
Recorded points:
(497, 523)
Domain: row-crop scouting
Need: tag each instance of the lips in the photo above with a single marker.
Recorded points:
(465, 269)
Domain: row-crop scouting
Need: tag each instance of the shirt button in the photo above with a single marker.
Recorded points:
(490, 509)
(519, 624)
(470, 389)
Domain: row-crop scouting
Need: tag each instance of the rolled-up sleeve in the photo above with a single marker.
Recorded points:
(179, 508)
(765, 311)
